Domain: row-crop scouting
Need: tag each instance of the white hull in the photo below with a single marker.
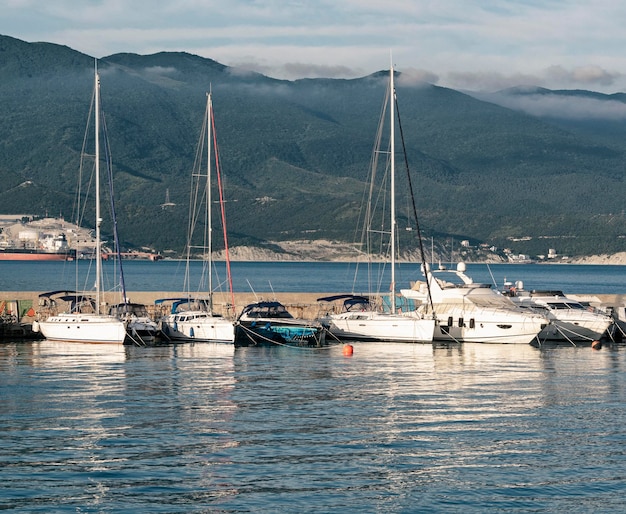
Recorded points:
(514, 333)
(83, 328)
(376, 326)
(198, 326)
(465, 323)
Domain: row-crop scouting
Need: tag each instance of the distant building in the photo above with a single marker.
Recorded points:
(519, 258)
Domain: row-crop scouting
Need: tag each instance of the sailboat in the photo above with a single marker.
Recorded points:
(365, 322)
(83, 322)
(192, 318)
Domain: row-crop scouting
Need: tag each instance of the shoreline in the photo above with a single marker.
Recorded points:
(597, 260)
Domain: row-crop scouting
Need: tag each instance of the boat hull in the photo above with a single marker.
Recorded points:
(142, 332)
(570, 321)
(277, 333)
(11, 331)
(513, 333)
(197, 327)
(33, 255)
(375, 326)
(82, 328)
(574, 330)
(464, 323)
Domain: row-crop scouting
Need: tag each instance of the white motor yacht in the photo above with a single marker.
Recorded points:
(570, 320)
(141, 329)
(470, 312)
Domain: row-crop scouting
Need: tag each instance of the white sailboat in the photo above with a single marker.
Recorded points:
(368, 323)
(84, 322)
(192, 318)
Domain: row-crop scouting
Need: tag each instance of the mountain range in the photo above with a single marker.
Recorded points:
(526, 168)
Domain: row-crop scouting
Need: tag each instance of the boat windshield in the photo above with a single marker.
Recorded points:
(134, 309)
(272, 310)
(449, 279)
(565, 305)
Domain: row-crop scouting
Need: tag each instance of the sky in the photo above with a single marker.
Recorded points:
(477, 45)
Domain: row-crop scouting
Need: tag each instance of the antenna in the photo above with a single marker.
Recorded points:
(167, 203)
(253, 291)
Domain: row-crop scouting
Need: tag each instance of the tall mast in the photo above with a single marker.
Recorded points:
(209, 110)
(392, 94)
(98, 217)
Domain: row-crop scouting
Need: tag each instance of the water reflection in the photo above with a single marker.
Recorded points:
(100, 420)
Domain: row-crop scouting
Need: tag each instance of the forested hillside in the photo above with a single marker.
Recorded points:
(295, 155)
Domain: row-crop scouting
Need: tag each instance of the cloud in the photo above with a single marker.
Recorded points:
(415, 77)
(560, 106)
(489, 81)
(298, 70)
(584, 76)
(553, 77)
(160, 70)
(482, 45)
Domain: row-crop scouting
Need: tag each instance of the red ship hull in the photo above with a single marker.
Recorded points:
(33, 255)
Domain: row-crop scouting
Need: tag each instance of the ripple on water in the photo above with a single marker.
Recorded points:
(393, 428)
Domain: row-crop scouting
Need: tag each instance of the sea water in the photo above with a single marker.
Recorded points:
(323, 277)
(392, 428)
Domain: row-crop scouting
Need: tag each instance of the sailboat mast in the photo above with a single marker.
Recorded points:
(97, 178)
(208, 202)
(392, 94)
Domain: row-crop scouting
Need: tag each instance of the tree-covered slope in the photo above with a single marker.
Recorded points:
(295, 155)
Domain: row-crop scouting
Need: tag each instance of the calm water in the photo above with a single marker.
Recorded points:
(394, 428)
(300, 276)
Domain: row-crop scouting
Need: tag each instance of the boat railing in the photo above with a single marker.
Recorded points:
(484, 311)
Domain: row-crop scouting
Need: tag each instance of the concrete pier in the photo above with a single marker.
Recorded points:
(301, 305)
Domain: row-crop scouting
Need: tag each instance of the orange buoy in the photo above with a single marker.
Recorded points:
(596, 345)
(348, 349)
